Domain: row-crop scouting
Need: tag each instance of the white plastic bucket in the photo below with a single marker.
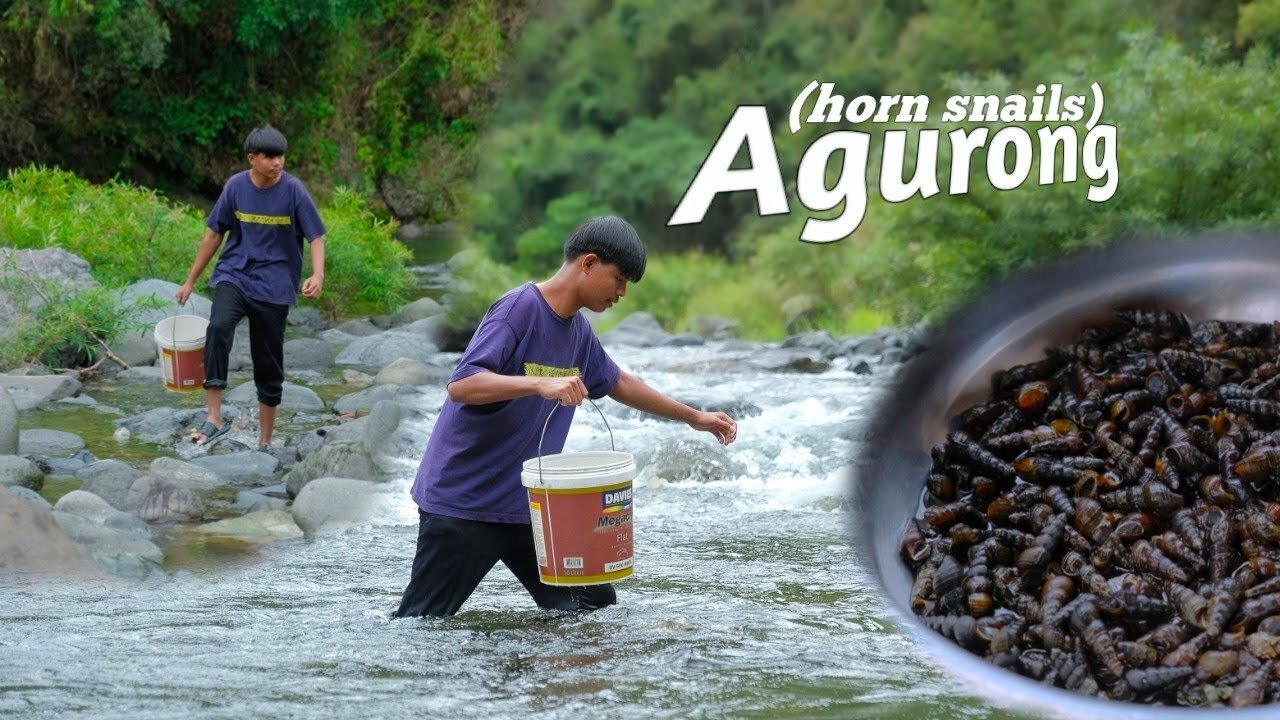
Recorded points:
(580, 505)
(180, 341)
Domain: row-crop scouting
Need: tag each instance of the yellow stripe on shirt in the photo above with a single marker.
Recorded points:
(263, 219)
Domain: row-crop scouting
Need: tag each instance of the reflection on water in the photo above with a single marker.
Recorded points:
(745, 604)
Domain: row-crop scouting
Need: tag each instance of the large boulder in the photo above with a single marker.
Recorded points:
(405, 371)
(259, 527)
(384, 348)
(91, 507)
(39, 441)
(9, 426)
(819, 341)
(118, 552)
(364, 400)
(419, 309)
(158, 501)
(69, 273)
(639, 329)
(147, 302)
(242, 469)
(186, 475)
(294, 397)
(352, 460)
(31, 542)
(17, 471)
(331, 504)
(33, 391)
(161, 425)
(307, 354)
(109, 480)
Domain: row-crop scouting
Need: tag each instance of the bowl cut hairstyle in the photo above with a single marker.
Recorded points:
(265, 140)
(613, 240)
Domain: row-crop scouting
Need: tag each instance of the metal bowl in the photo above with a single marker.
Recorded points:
(1222, 277)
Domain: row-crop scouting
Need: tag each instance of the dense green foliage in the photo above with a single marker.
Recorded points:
(128, 233)
(378, 95)
(613, 105)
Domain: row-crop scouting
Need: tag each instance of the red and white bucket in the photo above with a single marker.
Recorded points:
(581, 507)
(180, 341)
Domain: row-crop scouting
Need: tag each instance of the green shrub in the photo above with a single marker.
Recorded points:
(365, 268)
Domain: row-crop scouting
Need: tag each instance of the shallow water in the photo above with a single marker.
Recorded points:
(745, 601)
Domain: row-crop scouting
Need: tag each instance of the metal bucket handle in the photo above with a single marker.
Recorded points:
(543, 436)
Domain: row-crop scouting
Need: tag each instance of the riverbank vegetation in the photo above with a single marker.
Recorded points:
(515, 120)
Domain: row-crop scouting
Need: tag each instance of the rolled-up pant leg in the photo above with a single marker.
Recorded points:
(227, 312)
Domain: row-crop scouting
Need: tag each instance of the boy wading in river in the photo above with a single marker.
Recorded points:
(532, 349)
(265, 214)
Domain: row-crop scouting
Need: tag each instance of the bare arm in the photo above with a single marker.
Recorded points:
(204, 253)
(312, 286)
(631, 390)
(490, 387)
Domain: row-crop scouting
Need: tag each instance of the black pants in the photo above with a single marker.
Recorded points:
(267, 322)
(454, 555)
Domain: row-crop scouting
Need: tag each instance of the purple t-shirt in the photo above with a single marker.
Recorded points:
(471, 468)
(263, 251)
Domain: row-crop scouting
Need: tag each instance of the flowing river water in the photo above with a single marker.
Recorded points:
(746, 601)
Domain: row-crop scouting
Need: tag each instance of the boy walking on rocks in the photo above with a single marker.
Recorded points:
(265, 214)
(533, 349)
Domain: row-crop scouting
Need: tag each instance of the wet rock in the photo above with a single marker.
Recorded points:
(364, 400)
(419, 309)
(382, 349)
(798, 360)
(357, 379)
(307, 354)
(337, 338)
(259, 527)
(714, 327)
(30, 495)
(162, 425)
(9, 425)
(64, 467)
(892, 355)
(690, 459)
(109, 480)
(31, 541)
(405, 371)
(870, 345)
(148, 373)
(294, 397)
(345, 459)
(303, 444)
(329, 505)
(155, 500)
(308, 319)
(117, 552)
(358, 328)
(685, 340)
(33, 391)
(39, 441)
(862, 367)
(639, 329)
(185, 474)
(250, 468)
(817, 340)
(248, 501)
(93, 508)
(17, 471)
(435, 329)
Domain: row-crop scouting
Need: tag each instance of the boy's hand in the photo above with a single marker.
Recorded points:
(183, 294)
(311, 286)
(565, 390)
(718, 424)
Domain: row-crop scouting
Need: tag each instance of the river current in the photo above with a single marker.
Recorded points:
(746, 601)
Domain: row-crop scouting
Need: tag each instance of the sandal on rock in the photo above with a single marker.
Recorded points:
(211, 432)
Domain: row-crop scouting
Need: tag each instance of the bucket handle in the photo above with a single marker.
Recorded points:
(543, 436)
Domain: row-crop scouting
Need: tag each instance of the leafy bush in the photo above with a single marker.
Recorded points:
(364, 263)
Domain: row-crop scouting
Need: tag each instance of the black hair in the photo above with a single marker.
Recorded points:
(265, 140)
(613, 240)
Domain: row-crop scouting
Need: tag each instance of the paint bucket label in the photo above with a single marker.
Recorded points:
(580, 511)
(180, 342)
